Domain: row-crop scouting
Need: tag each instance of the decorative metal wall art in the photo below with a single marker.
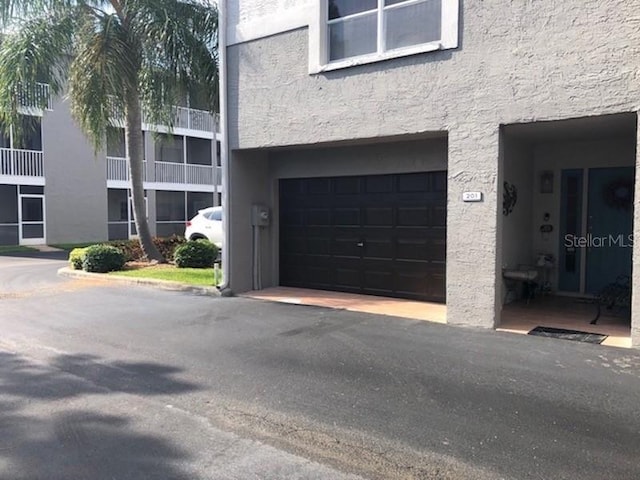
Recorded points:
(509, 198)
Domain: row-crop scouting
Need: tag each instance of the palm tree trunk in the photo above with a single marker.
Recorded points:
(135, 155)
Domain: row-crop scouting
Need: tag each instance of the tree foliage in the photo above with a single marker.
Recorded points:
(115, 58)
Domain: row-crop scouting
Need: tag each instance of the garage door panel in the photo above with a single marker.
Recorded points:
(292, 217)
(345, 248)
(320, 275)
(410, 285)
(346, 216)
(413, 216)
(438, 216)
(378, 216)
(318, 216)
(379, 184)
(413, 182)
(316, 186)
(379, 248)
(348, 277)
(294, 186)
(380, 281)
(437, 285)
(292, 272)
(319, 245)
(293, 245)
(318, 231)
(380, 234)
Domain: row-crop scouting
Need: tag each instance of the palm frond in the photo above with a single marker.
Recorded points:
(16, 11)
(102, 71)
(180, 53)
(38, 52)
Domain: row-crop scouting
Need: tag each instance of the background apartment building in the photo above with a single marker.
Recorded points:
(55, 189)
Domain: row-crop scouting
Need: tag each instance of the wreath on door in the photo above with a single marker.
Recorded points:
(618, 194)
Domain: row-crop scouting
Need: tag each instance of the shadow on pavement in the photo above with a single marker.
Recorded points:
(61, 255)
(65, 420)
(19, 377)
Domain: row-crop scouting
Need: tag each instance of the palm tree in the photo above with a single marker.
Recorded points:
(111, 57)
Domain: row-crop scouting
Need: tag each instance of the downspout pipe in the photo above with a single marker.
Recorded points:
(224, 288)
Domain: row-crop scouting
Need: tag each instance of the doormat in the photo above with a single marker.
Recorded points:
(574, 335)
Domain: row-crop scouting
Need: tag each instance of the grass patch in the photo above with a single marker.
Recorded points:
(15, 249)
(207, 277)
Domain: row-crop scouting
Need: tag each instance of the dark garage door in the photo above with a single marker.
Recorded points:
(379, 234)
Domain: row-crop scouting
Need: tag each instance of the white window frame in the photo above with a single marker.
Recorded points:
(319, 37)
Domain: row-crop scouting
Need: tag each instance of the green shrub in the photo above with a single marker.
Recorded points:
(168, 245)
(103, 258)
(76, 257)
(130, 249)
(133, 252)
(196, 254)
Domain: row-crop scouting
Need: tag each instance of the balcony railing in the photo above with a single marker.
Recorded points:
(21, 163)
(35, 96)
(168, 172)
(164, 172)
(184, 117)
(190, 119)
(193, 119)
(118, 169)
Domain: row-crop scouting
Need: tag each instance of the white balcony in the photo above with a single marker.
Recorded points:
(164, 172)
(184, 173)
(192, 119)
(21, 163)
(34, 97)
(189, 119)
(118, 169)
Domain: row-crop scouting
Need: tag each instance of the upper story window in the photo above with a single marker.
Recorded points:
(352, 32)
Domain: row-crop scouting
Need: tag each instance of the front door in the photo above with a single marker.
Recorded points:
(31, 216)
(596, 227)
(609, 226)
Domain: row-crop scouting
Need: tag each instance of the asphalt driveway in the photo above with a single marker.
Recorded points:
(107, 381)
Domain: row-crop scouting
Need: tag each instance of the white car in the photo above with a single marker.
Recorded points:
(206, 224)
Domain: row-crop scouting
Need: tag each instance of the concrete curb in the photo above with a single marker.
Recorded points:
(163, 284)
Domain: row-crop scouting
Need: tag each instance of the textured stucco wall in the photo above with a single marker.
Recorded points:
(76, 189)
(246, 11)
(517, 62)
(249, 176)
(517, 230)
(251, 19)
